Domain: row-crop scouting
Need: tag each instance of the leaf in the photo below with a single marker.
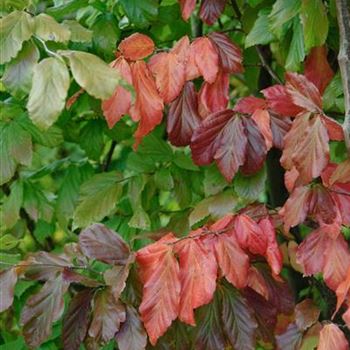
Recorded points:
(76, 320)
(250, 187)
(206, 58)
(116, 277)
(48, 93)
(260, 34)
(331, 337)
(132, 335)
(18, 74)
(290, 339)
(91, 138)
(279, 128)
(119, 103)
(16, 28)
(214, 97)
(169, 73)
(12, 205)
(136, 46)
(41, 310)
(78, 32)
(98, 197)
(262, 120)
(92, 74)
(238, 320)
(296, 53)
(198, 271)
(101, 243)
(161, 287)
(187, 7)
(282, 12)
(140, 14)
(183, 117)
(148, 107)
(341, 173)
(8, 280)
(315, 22)
(220, 137)
(107, 316)
(46, 28)
(317, 68)
(306, 314)
(233, 262)
(211, 10)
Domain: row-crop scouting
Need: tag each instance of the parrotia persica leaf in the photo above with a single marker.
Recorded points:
(41, 310)
(148, 107)
(183, 117)
(47, 29)
(159, 272)
(232, 141)
(136, 46)
(8, 279)
(76, 319)
(306, 314)
(15, 28)
(331, 337)
(211, 10)
(49, 91)
(101, 243)
(92, 74)
(119, 103)
(187, 7)
(132, 335)
(198, 272)
(107, 316)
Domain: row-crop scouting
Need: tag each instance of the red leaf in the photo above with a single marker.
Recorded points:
(280, 102)
(262, 120)
(211, 10)
(341, 173)
(148, 106)
(221, 137)
(191, 68)
(230, 55)
(273, 253)
(182, 49)
(169, 73)
(187, 7)
(198, 272)
(290, 339)
(296, 208)
(214, 97)
(331, 337)
(257, 282)
(161, 290)
(249, 104)
(303, 93)
(317, 68)
(306, 314)
(206, 58)
(335, 130)
(249, 235)
(279, 128)
(233, 262)
(8, 280)
(136, 46)
(343, 291)
(183, 117)
(119, 103)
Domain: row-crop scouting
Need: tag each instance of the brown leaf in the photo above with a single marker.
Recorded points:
(8, 280)
(306, 314)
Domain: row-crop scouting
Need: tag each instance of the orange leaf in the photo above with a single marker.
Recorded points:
(331, 337)
(169, 73)
(119, 103)
(136, 46)
(148, 108)
(161, 290)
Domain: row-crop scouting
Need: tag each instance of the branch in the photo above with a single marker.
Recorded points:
(108, 160)
(343, 14)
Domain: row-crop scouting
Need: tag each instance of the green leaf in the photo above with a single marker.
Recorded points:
(155, 148)
(282, 12)
(15, 28)
(260, 33)
(214, 182)
(43, 230)
(49, 91)
(106, 34)
(17, 344)
(140, 13)
(163, 179)
(15, 147)
(296, 53)
(78, 32)
(91, 138)
(92, 74)
(332, 92)
(66, 8)
(8, 242)
(47, 29)
(315, 23)
(98, 197)
(12, 205)
(8, 259)
(250, 187)
(18, 74)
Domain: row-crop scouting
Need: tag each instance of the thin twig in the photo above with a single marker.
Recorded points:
(109, 156)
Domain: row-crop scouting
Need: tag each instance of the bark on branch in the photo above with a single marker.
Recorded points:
(343, 14)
